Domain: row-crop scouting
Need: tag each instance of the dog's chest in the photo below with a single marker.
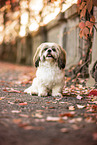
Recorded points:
(50, 74)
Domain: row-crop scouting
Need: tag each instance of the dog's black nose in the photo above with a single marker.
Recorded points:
(49, 50)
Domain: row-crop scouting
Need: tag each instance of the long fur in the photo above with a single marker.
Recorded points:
(50, 70)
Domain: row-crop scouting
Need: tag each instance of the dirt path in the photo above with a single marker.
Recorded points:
(33, 120)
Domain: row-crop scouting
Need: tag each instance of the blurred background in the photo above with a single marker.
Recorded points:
(25, 24)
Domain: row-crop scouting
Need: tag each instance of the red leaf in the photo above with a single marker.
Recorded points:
(78, 2)
(93, 92)
(92, 19)
(82, 5)
(89, 24)
(83, 12)
(66, 114)
(94, 107)
(81, 25)
(89, 5)
(81, 34)
(91, 31)
(22, 104)
(12, 91)
(85, 31)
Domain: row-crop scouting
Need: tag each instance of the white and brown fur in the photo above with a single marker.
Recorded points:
(50, 60)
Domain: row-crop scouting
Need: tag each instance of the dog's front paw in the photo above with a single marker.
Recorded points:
(57, 94)
(42, 92)
(30, 90)
(56, 91)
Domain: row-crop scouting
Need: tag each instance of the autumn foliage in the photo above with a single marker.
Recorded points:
(85, 9)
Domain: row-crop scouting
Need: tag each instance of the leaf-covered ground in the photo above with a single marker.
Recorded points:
(33, 120)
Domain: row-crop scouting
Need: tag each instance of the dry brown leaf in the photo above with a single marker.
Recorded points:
(64, 130)
(71, 108)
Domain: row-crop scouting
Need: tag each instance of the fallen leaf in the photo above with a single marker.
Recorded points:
(50, 118)
(64, 130)
(71, 108)
(80, 106)
(18, 101)
(1, 98)
(74, 120)
(79, 97)
(62, 102)
(94, 107)
(51, 107)
(12, 91)
(89, 120)
(38, 115)
(15, 111)
(23, 115)
(40, 120)
(10, 103)
(22, 104)
(30, 127)
(93, 93)
(71, 114)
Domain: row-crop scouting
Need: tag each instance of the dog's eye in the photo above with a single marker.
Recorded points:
(45, 49)
(54, 49)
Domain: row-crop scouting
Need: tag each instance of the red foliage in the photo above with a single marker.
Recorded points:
(86, 27)
(93, 93)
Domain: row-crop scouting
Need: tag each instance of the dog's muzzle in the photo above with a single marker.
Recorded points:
(49, 55)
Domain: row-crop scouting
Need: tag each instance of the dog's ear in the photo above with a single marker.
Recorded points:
(62, 58)
(36, 58)
(37, 62)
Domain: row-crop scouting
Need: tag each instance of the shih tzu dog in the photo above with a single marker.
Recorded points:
(50, 60)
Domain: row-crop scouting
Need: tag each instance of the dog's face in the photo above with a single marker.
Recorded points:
(50, 52)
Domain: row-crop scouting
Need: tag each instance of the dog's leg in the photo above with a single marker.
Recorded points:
(30, 90)
(33, 89)
(42, 91)
(57, 90)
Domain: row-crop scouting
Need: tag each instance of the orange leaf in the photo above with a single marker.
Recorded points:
(81, 34)
(91, 30)
(22, 104)
(83, 12)
(85, 31)
(89, 24)
(89, 5)
(82, 5)
(92, 19)
(81, 25)
(78, 2)
(66, 114)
